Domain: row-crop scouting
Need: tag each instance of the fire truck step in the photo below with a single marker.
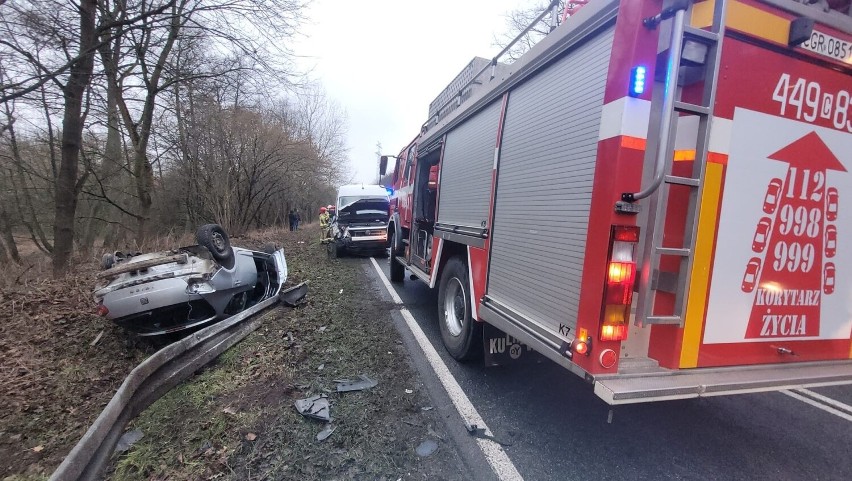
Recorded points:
(673, 251)
(664, 320)
(674, 179)
(691, 108)
(638, 365)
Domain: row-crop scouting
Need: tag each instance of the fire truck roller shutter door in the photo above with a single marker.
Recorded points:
(466, 170)
(544, 187)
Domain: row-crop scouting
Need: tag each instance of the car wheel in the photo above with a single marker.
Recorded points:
(107, 261)
(397, 270)
(268, 249)
(462, 335)
(215, 239)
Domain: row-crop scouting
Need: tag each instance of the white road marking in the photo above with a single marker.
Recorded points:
(817, 404)
(494, 453)
(825, 399)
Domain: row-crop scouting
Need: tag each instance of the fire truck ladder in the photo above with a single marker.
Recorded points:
(693, 55)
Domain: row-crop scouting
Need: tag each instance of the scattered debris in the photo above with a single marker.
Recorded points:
(427, 408)
(325, 433)
(341, 291)
(323, 328)
(320, 367)
(364, 383)
(251, 436)
(409, 391)
(38, 448)
(427, 448)
(293, 296)
(478, 432)
(207, 445)
(432, 432)
(97, 339)
(229, 410)
(411, 423)
(128, 439)
(316, 407)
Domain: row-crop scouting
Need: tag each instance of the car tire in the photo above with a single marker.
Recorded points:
(214, 238)
(268, 248)
(107, 261)
(461, 334)
(397, 270)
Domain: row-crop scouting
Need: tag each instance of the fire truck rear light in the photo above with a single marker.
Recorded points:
(620, 279)
(613, 332)
(625, 233)
(620, 272)
(102, 310)
(580, 347)
(608, 358)
(615, 313)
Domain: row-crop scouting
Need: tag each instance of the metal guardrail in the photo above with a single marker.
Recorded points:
(149, 381)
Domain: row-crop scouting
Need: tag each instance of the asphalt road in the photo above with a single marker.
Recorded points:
(559, 428)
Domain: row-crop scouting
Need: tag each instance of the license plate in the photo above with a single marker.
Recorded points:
(829, 46)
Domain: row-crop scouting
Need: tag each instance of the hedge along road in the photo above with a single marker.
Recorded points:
(558, 428)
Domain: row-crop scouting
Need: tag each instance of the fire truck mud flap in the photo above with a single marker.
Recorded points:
(696, 383)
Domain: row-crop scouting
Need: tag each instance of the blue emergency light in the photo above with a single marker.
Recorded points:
(637, 81)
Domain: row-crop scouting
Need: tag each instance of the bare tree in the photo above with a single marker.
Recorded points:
(519, 19)
(37, 24)
(171, 127)
(152, 57)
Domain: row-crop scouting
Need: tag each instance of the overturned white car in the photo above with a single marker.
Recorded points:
(168, 291)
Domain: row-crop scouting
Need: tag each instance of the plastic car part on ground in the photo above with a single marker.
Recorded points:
(168, 291)
(316, 407)
(364, 383)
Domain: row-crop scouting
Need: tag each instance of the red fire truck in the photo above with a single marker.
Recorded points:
(655, 196)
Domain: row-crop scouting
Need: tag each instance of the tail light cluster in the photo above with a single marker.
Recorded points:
(620, 280)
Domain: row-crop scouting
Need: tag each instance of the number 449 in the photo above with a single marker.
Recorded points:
(807, 101)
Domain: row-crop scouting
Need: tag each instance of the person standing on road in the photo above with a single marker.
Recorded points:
(323, 219)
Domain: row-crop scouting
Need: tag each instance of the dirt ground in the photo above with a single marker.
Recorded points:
(54, 379)
(235, 419)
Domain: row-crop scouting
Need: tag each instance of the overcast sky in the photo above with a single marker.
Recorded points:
(383, 61)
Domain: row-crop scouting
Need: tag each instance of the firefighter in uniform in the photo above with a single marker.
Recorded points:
(324, 223)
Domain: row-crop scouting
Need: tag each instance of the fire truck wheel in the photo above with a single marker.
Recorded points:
(397, 270)
(461, 334)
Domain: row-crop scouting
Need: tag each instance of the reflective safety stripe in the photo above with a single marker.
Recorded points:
(697, 302)
(745, 18)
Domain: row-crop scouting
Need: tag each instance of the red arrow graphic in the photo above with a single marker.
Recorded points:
(809, 152)
(789, 282)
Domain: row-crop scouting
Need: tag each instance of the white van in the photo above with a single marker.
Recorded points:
(360, 222)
